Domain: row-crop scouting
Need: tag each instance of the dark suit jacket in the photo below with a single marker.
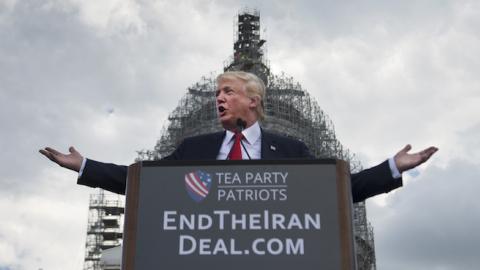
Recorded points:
(365, 184)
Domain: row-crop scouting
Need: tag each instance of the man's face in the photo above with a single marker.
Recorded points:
(233, 103)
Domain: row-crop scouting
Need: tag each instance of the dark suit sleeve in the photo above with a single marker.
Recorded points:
(373, 181)
(108, 176)
(366, 183)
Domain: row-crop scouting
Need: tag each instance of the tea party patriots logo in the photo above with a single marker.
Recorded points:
(198, 185)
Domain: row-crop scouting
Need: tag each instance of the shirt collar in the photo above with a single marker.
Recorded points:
(251, 134)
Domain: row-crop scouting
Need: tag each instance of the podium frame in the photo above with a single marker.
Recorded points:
(343, 195)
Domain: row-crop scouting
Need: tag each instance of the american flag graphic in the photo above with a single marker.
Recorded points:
(198, 185)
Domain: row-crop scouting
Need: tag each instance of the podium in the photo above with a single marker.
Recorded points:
(247, 214)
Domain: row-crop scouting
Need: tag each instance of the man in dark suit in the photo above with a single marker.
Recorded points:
(239, 98)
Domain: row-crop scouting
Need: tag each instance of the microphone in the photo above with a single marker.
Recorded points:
(241, 125)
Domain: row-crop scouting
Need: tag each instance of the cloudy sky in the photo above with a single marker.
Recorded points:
(103, 76)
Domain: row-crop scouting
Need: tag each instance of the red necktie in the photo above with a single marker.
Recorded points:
(236, 151)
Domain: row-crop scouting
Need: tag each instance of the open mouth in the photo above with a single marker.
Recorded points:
(221, 110)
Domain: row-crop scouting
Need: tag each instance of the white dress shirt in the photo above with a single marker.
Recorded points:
(252, 142)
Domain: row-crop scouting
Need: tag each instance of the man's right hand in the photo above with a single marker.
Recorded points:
(72, 161)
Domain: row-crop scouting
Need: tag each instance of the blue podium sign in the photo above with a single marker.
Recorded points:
(238, 215)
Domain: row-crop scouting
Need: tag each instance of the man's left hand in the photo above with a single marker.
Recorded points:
(406, 161)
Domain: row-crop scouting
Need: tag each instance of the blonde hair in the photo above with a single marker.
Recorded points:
(254, 87)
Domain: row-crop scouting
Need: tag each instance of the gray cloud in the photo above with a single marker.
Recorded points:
(431, 222)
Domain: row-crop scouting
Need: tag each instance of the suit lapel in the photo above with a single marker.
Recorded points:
(269, 147)
(215, 140)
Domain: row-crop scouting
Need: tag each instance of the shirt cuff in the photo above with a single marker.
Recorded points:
(80, 172)
(393, 168)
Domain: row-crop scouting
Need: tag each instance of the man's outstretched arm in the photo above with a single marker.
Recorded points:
(108, 176)
(385, 177)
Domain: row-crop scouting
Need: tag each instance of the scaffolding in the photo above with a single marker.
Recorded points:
(105, 227)
(364, 238)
